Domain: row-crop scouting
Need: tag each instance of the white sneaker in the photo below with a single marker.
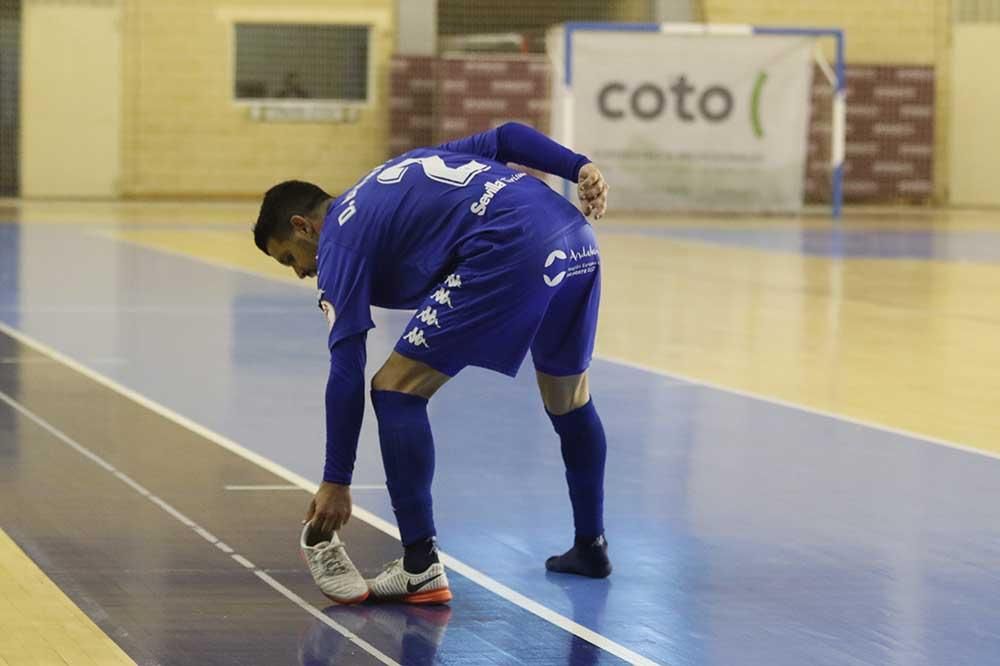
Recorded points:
(332, 569)
(397, 584)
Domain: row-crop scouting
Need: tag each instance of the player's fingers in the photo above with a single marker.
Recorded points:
(329, 525)
(595, 188)
(310, 511)
(600, 204)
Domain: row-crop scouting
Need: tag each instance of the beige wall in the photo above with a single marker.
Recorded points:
(70, 99)
(878, 31)
(975, 133)
(183, 133)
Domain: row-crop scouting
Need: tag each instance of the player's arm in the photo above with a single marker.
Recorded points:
(345, 407)
(520, 144)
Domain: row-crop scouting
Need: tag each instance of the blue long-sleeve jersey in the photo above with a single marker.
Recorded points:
(395, 234)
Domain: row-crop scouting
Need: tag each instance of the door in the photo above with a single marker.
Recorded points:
(10, 40)
(71, 99)
(975, 133)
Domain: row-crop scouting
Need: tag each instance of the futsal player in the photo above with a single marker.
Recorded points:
(495, 264)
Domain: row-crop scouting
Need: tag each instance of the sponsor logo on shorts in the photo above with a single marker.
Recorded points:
(551, 259)
(454, 280)
(416, 338)
(581, 262)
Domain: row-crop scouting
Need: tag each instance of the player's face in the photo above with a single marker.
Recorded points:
(297, 253)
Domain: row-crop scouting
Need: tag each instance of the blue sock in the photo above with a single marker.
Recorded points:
(404, 435)
(584, 450)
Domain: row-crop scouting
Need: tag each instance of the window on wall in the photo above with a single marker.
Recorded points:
(287, 61)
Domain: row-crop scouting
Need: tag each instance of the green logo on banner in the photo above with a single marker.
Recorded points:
(758, 86)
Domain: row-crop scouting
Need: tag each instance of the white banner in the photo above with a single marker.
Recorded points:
(689, 122)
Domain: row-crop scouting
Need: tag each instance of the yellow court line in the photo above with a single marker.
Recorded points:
(40, 624)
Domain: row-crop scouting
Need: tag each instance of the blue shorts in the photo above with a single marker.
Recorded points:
(489, 311)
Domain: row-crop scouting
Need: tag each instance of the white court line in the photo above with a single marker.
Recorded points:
(802, 408)
(13, 360)
(469, 572)
(198, 529)
(611, 359)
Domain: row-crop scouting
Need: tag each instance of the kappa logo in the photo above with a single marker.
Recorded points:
(429, 316)
(416, 337)
(442, 296)
(454, 280)
(551, 259)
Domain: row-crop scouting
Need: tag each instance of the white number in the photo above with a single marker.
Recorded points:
(435, 169)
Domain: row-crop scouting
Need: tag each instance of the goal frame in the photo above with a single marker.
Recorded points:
(836, 77)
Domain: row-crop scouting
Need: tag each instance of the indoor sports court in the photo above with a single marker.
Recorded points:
(797, 359)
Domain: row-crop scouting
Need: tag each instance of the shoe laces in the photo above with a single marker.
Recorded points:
(388, 567)
(334, 563)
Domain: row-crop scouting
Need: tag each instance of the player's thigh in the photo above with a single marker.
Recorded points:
(563, 344)
(406, 375)
(562, 395)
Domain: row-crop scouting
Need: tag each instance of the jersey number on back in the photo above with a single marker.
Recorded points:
(435, 169)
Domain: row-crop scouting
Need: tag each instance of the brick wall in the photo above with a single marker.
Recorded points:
(412, 95)
(888, 32)
(479, 93)
(437, 99)
(890, 135)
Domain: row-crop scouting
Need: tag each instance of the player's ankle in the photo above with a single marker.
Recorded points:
(420, 555)
(590, 541)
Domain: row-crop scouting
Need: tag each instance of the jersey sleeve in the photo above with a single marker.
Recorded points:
(345, 408)
(483, 144)
(345, 285)
(520, 144)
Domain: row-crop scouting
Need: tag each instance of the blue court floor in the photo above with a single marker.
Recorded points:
(742, 531)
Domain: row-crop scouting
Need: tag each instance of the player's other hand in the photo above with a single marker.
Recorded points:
(330, 508)
(593, 191)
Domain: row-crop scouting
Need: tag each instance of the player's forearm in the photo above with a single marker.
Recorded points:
(345, 408)
(528, 147)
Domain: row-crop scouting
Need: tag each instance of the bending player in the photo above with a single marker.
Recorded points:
(495, 263)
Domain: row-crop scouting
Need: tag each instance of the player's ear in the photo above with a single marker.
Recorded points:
(302, 227)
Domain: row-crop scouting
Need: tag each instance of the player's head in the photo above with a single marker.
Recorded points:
(289, 223)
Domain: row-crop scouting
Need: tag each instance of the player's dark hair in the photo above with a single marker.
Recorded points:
(292, 197)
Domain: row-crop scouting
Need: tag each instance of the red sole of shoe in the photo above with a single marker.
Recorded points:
(441, 596)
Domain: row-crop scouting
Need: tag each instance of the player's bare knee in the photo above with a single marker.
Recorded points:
(405, 375)
(562, 395)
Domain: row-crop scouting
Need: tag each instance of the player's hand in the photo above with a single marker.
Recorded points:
(330, 508)
(593, 191)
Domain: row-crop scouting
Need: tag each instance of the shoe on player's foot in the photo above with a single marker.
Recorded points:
(397, 584)
(332, 569)
(585, 558)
